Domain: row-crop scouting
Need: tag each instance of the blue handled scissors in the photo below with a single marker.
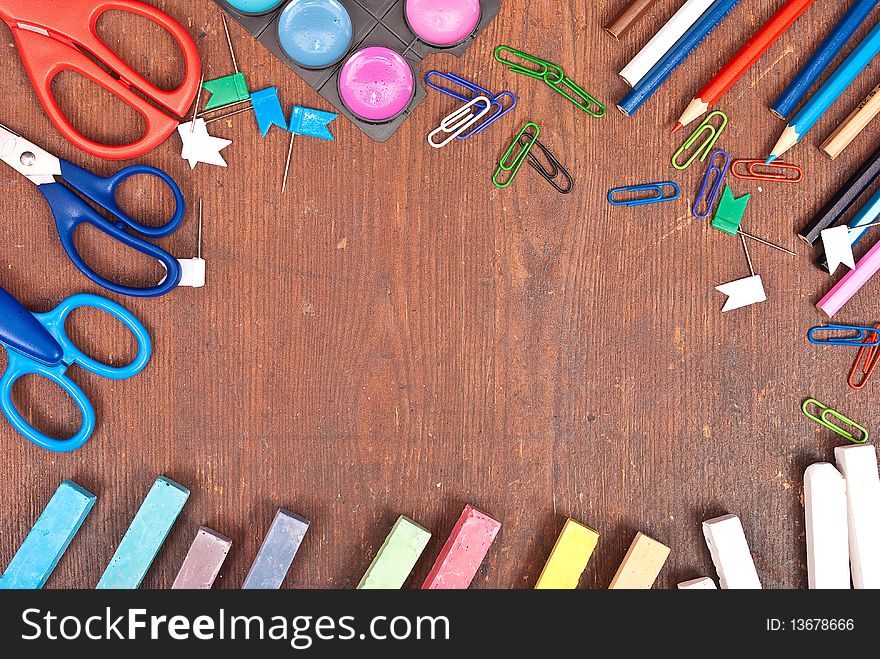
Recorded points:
(37, 344)
(70, 208)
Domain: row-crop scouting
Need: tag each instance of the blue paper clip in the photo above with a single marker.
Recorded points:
(707, 194)
(474, 90)
(859, 340)
(658, 188)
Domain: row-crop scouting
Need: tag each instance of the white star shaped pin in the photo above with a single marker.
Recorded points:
(199, 146)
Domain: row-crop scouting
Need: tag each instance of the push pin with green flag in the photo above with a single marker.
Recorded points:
(729, 215)
(230, 89)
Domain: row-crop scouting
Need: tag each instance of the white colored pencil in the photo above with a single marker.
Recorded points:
(665, 38)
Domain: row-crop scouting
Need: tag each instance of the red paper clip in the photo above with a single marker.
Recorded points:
(768, 173)
(866, 362)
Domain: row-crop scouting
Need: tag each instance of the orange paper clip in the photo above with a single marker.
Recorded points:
(866, 362)
(778, 171)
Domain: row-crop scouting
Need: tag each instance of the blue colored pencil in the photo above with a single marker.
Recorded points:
(676, 55)
(867, 215)
(828, 93)
(819, 61)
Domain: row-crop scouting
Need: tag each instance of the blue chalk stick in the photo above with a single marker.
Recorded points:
(145, 536)
(277, 551)
(268, 110)
(49, 538)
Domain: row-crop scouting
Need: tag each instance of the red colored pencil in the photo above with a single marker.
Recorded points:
(743, 60)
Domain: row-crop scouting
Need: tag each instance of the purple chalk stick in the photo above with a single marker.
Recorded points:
(277, 551)
(203, 561)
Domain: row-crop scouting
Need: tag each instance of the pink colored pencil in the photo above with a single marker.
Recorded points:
(852, 281)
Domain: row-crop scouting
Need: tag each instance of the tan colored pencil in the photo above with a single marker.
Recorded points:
(854, 124)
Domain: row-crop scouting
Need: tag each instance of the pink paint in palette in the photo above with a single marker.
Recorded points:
(376, 83)
(363, 56)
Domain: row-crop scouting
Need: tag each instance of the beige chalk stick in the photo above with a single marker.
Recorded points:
(642, 563)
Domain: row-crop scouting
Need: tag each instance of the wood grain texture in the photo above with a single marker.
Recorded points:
(396, 336)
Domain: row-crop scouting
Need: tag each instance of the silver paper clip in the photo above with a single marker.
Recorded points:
(459, 121)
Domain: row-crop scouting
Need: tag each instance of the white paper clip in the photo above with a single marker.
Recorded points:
(459, 121)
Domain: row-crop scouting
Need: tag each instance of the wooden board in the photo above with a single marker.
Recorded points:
(396, 336)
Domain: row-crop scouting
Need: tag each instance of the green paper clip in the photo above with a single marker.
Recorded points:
(226, 91)
(706, 147)
(579, 98)
(513, 167)
(551, 74)
(842, 431)
(541, 73)
(730, 212)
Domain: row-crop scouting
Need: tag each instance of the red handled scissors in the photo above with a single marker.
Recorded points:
(61, 35)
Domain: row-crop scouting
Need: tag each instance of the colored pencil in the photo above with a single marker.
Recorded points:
(851, 282)
(665, 39)
(854, 124)
(845, 197)
(628, 17)
(811, 71)
(867, 214)
(743, 60)
(676, 55)
(828, 93)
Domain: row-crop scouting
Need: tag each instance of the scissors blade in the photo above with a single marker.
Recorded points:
(36, 164)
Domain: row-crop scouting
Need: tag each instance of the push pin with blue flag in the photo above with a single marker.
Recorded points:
(306, 121)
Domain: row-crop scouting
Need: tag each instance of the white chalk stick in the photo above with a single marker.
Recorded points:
(701, 583)
(730, 553)
(827, 539)
(858, 464)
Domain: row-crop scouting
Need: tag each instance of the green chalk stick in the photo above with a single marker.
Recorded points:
(397, 556)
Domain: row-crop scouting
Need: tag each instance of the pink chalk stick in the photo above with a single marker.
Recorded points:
(464, 551)
(851, 282)
(203, 561)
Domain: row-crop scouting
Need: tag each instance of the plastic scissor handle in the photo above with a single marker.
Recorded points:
(70, 211)
(20, 365)
(73, 23)
(102, 191)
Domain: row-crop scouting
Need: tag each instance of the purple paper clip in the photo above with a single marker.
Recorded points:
(475, 91)
(713, 192)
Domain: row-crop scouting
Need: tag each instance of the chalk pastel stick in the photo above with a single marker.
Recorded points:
(144, 538)
(827, 537)
(569, 557)
(464, 551)
(701, 583)
(730, 552)
(397, 556)
(49, 538)
(858, 464)
(277, 551)
(642, 563)
(203, 561)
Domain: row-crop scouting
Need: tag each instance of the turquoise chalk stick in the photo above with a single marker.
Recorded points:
(277, 551)
(49, 538)
(144, 538)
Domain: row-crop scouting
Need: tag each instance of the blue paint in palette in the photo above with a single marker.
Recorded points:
(144, 538)
(254, 6)
(49, 538)
(315, 33)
